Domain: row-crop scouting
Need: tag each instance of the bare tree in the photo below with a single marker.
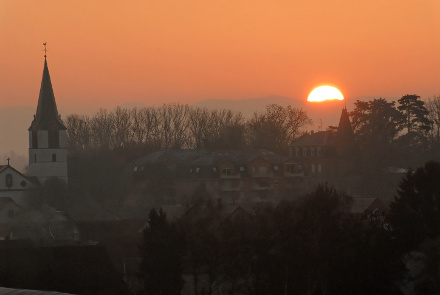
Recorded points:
(277, 127)
(78, 132)
(433, 106)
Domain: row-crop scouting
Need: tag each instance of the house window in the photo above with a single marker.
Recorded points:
(318, 151)
(319, 168)
(297, 152)
(312, 152)
(135, 168)
(241, 168)
(226, 171)
(290, 152)
(11, 213)
(304, 152)
(8, 180)
(253, 169)
(241, 182)
(275, 168)
(313, 168)
(197, 170)
(262, 169)
(54, 157)
(290, 169)
(214, 169)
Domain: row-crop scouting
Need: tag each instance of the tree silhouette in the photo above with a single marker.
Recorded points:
(415, 119)
(161, 250)
(415, 211)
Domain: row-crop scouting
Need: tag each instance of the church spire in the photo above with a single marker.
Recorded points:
(345, 134)
(47, 116)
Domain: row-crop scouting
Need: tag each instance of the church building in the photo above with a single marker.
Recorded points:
(47, 136)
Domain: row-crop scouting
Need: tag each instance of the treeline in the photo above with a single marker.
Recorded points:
(311, 245)
(178, 126)
(403, 134)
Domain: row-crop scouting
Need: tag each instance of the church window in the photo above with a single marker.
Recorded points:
(35, 158)
(54, 139)
(34, 140)
(54, 157)
(23, 183)
(8, 180)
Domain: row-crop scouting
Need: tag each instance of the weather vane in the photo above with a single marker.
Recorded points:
(45, 50)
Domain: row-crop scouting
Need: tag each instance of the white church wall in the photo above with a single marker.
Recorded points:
(18, 181)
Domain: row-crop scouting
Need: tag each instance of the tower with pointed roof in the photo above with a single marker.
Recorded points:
(344, 136)
(47, 136)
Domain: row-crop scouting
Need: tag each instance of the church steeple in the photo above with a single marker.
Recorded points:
(345, 131)
(46, 117)
(344, 139)
(47, 135)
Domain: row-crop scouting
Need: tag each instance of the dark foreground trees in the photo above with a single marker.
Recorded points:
(162, 250)
(313, 245)
(415, 218)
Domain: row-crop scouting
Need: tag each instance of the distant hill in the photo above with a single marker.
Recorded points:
(248, 106)
(325, 113)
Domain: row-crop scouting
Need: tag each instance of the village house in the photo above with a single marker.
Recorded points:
(232, 176)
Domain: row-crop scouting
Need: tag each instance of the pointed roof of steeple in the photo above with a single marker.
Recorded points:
(47, 117)
(345, 131)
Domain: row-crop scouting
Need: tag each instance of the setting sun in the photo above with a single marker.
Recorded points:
(325, 93)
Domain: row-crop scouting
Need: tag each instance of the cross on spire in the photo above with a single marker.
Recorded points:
(8, 160)
(45, 50)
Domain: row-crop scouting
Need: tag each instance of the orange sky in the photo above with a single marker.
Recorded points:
(106, 53)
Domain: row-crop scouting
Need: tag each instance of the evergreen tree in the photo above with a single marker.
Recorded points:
(415, 212)
(415, 118)
(162, 250)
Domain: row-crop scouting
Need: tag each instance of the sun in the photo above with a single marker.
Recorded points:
(325, 93)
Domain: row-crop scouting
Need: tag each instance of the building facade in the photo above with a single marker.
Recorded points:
(229, 176)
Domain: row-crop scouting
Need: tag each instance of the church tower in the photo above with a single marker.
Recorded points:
(47, 136)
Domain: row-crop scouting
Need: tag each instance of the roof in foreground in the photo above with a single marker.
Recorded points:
(9, 291)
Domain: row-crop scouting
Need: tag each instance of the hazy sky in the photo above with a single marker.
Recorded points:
(106, 53)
